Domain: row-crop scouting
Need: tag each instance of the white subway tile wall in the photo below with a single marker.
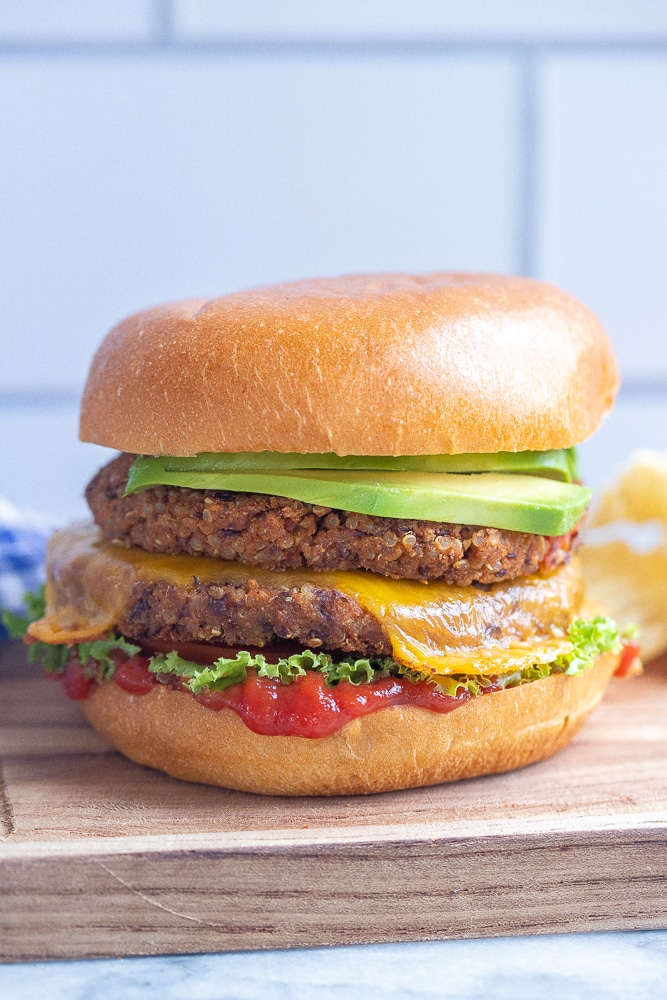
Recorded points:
(482, 20)
(136, 181)
(45, 467)
(39, 21)
(152, 149)
(603, 225)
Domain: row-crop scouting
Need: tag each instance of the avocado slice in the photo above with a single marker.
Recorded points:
(559, 464)
(496, 500)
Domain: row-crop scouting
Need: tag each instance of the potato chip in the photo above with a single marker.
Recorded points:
(625, 553)
(639, 495)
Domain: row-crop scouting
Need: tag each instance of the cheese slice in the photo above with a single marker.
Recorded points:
(433, 627)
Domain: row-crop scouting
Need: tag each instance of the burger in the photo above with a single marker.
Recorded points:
(337, 551)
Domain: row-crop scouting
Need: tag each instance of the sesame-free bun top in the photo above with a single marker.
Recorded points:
(379, 364)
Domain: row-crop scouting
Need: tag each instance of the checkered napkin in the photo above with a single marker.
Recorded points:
(23, 536)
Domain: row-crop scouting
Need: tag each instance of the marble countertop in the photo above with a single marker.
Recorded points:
(628, 966)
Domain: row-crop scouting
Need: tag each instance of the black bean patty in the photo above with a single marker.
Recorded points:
(276, 533)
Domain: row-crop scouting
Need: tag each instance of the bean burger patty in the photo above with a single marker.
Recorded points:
(276, 534)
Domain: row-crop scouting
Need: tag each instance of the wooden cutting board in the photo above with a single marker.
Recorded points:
(103, 857)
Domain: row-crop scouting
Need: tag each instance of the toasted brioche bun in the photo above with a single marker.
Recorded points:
(386, 364)
(390, 749)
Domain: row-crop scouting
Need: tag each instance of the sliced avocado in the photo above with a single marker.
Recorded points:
(549, 464)
(496, 500)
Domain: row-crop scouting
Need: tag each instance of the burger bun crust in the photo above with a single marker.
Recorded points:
(393, 748)
(380, 364)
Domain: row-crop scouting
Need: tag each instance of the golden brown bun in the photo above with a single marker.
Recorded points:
(368, 365)
(390, 749)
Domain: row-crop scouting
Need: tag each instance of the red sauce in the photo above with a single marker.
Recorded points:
(133, 675)
(77, 683)
(305, 707)
(627, 659)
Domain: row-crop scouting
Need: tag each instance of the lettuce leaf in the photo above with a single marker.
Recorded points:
(35, 605)
(225, 671)
(589, 639)
(53, 658)
(97, 653)
(221, 675)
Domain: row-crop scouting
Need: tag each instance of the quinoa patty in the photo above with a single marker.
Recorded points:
(256, 614)
(277, 533)
(228, 614)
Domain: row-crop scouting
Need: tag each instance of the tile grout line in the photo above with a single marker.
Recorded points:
(163, 17)
(646, 388)
(38, 397)
(164, 39)
(529, 119)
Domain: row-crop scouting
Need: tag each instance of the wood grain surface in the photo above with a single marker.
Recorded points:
(102, 857)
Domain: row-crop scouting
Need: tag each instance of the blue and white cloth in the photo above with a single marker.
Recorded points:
(23, 536)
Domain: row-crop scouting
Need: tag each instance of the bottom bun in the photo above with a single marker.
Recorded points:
(401, 747)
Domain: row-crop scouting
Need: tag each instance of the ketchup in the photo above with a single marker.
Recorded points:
(628, 658)
(308, 707)
(305, 707)
(133, 675)
(77, 684)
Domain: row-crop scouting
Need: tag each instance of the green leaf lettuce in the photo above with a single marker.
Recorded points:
(589, 639)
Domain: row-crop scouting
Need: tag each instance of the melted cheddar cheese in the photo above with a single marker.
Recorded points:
(433, 627)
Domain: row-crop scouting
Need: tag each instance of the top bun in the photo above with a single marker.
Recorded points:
(379, 364)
